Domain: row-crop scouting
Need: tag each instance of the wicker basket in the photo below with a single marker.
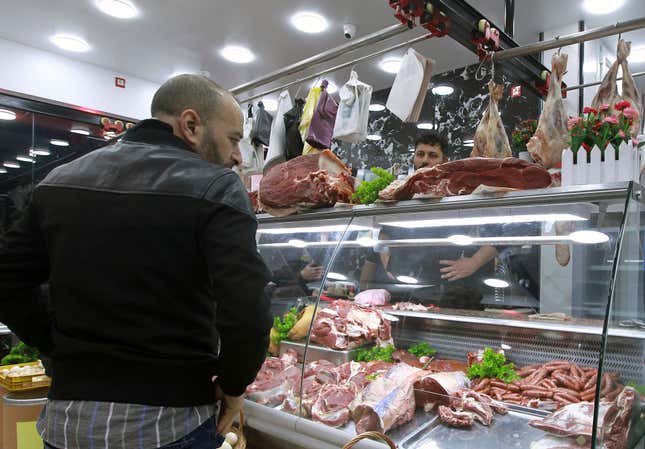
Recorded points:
(239, 431)
(370, 434)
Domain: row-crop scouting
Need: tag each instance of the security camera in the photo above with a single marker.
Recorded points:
(349, 30)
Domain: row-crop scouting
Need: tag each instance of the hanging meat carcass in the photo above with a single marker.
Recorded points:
(608, 90)
(630, 92)
(552, 135)
(317, 180)
(490, 137)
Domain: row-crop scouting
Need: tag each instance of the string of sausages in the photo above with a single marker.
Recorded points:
(556, 383)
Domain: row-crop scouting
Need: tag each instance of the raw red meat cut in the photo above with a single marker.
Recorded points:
(332, 405)
(319, 180)
(577, 419)
(388, 401)
(272, 390)
(551, 442)
(454, 418)
(345, 325)
(462, 177)
(467, 406)
(438, 388)
(617, 432)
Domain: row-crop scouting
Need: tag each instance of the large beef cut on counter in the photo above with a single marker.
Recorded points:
(462, 177)
(317, 180)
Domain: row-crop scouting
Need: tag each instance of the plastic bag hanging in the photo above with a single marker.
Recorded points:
(261, 126)
(252, 157)
(410, 86)
(293, 140)
(277, 140)
(307, 114)
(321, 128)
(353, 111)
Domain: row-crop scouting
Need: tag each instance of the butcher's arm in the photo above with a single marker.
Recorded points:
(24, 266)
(467, 266)
(238, 276)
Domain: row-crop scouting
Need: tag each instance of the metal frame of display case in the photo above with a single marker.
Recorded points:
(445, 330)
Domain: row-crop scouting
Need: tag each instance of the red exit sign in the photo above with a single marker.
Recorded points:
(119, 82)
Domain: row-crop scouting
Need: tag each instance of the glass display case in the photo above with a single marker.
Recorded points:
(495, 321)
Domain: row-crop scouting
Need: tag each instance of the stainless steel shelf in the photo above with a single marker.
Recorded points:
(528, 324)
(583, 193)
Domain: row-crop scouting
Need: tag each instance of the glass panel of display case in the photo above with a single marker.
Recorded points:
(620, 422)
(298, 254)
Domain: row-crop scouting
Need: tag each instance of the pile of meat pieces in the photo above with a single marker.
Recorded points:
(346, 325)
(551, 385)
(468, 406)
(573, 424)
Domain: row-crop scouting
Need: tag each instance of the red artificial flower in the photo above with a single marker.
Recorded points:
(604, 107)
(630, 113)
(573, 121)
(586, 147)
(597, 125)
(634, 142)
(622, 105)
(588, 110)
(621, 134)
(611, 119)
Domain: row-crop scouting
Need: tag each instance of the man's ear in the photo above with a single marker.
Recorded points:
(191, 127)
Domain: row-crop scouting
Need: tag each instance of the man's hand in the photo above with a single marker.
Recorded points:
(311, 272)
(458, 269)
(229, 410)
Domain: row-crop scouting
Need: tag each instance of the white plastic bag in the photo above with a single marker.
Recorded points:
(277, 141)
(353, 110)
(252, 156)
(410, 86)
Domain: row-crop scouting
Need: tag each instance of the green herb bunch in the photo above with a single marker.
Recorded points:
(283, 325)
(367, 192)
(421, 349)
(493, 365)
(376, 353)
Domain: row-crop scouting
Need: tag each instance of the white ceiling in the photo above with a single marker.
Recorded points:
(173, 36)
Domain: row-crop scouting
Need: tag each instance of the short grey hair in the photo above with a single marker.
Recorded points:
(188, 92)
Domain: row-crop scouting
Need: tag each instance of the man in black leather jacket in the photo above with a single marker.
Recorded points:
(156, 283)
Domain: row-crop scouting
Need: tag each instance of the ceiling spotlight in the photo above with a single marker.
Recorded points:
(59, 142)
(6, 114)
(70, 43)
(602, 6)
(391, 65)
(374, 137)
(377, 107)
(442, 90)
(425, 125)
(81, 131)
(10, 164)
(588, 237)
(309, 22)
(25, 159)
(270, 104)
(496, 283)
(407, 279)
(121, 9)
(39, 152)
(237, 54)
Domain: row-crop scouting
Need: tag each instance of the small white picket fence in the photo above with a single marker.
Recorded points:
(626, 168)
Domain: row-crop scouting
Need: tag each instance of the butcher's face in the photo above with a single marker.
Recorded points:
(428, 156)
(221, 141)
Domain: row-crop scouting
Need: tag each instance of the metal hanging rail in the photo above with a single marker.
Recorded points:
(596, 83)
(335, 68)
(569, 39)
(325, 56)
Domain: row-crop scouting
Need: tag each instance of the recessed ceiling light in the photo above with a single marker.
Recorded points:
(390, 65)
(270, 104)
(377, 107)
(637, 55)
(374, 137)
(10, 164)
(588, 237)
(407, 279)
(336, 276)
(3, 170)
(25, 159)
(81, 131)
(602, 6)
(6, 114)
(237, 54)
(59, 142)
(309, 22)
(425, 125)
(70, 43)
(442, 90)
(121, 9)
(496, 283)
(39, 152)
(461, 240)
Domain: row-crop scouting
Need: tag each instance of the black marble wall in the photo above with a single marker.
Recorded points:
(456, 116)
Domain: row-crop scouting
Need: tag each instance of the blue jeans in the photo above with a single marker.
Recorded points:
(203, 437)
